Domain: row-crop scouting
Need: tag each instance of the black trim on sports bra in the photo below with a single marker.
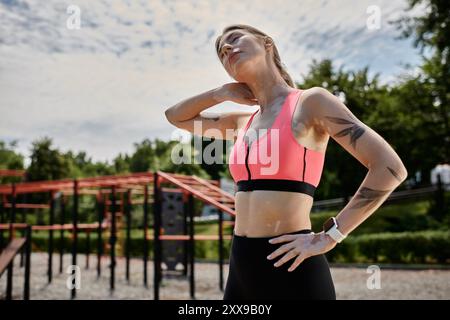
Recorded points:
(277, 185)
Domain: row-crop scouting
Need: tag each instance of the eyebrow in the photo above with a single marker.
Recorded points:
(227, 37)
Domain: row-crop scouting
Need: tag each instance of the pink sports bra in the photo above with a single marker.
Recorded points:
(276, 160)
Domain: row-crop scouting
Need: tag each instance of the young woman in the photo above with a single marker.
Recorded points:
(277, 162)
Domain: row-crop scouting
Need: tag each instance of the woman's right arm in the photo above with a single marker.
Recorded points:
(187, 114)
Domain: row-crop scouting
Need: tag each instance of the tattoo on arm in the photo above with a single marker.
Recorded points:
(395, 174)
(354, 130)
(367, 197)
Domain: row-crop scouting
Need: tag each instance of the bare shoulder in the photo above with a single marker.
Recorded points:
(314, 97)
(308, 108)
(315, 92)
(322, 108)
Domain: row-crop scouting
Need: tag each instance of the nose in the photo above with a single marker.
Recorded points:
(226, 48)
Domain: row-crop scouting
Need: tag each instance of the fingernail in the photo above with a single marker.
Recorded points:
(270, 240)
(268, 257)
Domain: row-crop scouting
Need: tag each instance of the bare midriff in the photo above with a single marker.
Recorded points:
(267, 213)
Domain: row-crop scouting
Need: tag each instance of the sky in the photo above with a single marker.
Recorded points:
(105, 86)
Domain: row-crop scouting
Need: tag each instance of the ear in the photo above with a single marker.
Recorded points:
(268, 42)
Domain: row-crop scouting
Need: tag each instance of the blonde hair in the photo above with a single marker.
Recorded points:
(258, 33)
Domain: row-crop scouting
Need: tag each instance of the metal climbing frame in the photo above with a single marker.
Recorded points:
(113, 201)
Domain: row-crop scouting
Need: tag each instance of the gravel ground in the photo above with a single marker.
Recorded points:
(350, 282)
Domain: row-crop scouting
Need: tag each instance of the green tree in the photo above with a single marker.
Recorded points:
(144, 158)
(188, 167)
(47, 163)
(10, 159)
(82, 166)
(431, 33)
(156, 155)
(121, 163)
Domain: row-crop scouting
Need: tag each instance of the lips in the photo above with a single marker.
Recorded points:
(232, 56)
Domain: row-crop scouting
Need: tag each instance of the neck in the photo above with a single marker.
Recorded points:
(267, 86)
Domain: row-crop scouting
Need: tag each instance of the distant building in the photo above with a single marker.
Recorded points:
(444, 171)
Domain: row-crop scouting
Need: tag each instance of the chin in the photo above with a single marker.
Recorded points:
(241, 68)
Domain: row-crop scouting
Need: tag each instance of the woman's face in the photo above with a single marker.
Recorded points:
(245, 50)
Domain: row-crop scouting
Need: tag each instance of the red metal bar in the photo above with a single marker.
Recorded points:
(11, 173)
(196, 193)
(182, 237)
(28, 206)
(125, 180)
(215, 188)
(103, 181)
(6, 226)
(81, 226)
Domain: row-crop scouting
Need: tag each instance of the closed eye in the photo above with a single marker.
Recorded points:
(232, 41)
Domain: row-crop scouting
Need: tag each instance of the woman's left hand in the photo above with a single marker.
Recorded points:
(301, 246)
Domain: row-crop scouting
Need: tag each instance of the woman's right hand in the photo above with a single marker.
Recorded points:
(237, 92)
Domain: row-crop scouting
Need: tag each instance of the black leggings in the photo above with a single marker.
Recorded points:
(252, 276)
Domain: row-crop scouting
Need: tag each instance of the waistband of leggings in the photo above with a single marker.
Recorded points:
(302, 231)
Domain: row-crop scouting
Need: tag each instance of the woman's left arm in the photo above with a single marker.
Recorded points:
(385, 169)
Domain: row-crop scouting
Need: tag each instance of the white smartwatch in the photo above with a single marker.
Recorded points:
(330, 227)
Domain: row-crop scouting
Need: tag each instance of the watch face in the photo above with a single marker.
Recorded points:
(328, 224)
